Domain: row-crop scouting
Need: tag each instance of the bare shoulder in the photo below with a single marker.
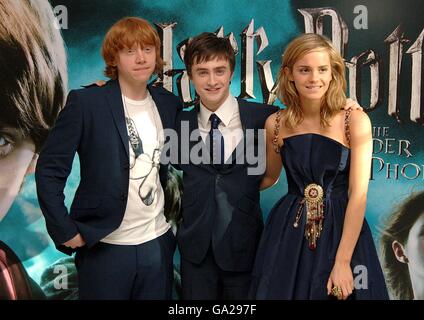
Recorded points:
(359, 122)
(273, 119)
(359, 117)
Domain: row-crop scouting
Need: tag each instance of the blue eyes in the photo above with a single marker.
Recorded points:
(5, 146)
(145, 49)
(3, 142)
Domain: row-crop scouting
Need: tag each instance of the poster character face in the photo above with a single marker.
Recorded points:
(17, 159)
(414, 248)
(402, 247)
(33, 86)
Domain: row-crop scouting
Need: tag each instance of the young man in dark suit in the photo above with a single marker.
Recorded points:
(124, 245)
(221, 217)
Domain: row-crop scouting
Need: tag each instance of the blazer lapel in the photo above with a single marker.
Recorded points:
(160, 100)
(245, 115)
(114, 98)
(247, 124)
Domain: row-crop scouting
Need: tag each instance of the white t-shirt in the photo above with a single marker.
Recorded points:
(144, 218)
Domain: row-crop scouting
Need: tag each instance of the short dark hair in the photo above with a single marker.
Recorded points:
(207, 46)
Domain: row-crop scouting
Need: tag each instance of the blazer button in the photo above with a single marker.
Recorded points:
(126, 167)
(123, 197)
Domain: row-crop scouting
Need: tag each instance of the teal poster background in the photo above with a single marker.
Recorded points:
(398, 165)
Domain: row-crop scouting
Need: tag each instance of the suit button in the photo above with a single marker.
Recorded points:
(123, 197)
(126, 167)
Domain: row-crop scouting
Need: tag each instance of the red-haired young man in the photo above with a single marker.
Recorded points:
(124, 245)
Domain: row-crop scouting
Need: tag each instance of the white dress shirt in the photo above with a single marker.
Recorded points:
(230, 125)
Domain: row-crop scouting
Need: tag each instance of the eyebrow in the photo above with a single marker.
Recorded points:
(325, 65)
(206, 69)
(142, 46)
(13, 133)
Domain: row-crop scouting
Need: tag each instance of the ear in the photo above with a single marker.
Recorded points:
(288, 73)
(399, 252)
(33, 163)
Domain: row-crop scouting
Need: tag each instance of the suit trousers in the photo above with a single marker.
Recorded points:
(207, 281)
(127, 272)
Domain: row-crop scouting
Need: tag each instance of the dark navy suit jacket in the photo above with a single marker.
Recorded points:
(92, 124)
(220, 205)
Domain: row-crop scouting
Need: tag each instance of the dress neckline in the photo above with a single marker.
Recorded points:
(319, 135)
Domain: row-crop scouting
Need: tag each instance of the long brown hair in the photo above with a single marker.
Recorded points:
(335, 97)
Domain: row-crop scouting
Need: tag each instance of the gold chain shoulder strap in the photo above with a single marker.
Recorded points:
(276, 132)
(347, 125)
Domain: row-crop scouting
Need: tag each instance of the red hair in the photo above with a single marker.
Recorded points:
(124, 34)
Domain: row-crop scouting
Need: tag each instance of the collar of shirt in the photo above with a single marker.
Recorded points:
(138, 102)
(225, 112)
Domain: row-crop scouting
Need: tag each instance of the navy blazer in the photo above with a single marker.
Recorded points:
(92, 124)
(220, 205)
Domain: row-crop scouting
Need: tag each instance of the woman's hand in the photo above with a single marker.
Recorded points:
(352, 104)
(341, 277)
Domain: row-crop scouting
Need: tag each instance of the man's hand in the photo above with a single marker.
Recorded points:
(98, 83)
(75, 242)
(352, 104)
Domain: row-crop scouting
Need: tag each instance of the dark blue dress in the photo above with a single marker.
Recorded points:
(286, 267)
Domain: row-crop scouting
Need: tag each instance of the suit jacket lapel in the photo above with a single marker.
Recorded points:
(194, 124)
(114, 98)
(161, 104)
(245, 115)
(247, 124)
